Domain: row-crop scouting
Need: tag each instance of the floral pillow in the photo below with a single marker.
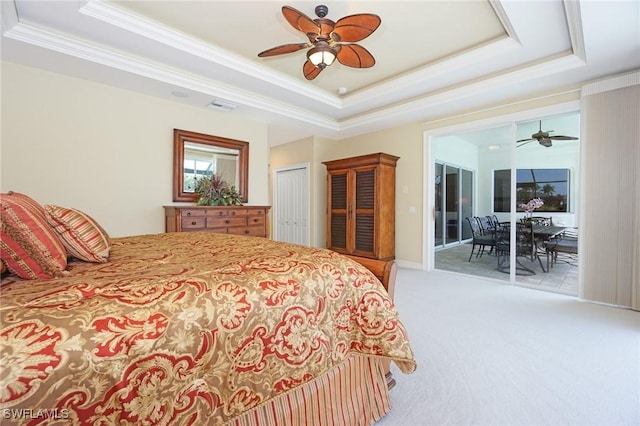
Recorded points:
(81, 235)
(28, 246)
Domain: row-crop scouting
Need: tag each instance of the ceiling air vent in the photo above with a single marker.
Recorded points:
(221, 105)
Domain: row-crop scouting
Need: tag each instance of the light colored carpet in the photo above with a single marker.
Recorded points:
(495, 354)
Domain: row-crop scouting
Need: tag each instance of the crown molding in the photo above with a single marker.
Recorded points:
(514, 76)
(574, 24)
(9, 15)
(135, 65)
(504, 19)
(113, 15)
(134, 23)
(440, 68)
(614, 83)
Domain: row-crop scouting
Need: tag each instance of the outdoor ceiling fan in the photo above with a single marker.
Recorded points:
(544, 138)
(329, 40)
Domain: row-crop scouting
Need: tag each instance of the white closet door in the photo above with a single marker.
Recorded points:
(291, 205)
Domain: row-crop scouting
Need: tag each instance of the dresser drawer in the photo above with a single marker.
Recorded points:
(255, 231)
(255, 220)
(237, 212)
(219, 222)
(203, 213)
(194, 222)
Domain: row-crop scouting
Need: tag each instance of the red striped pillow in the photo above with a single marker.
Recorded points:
(28, 245)
(81, 235)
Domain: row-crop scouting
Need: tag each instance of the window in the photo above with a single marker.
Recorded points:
(550, 185)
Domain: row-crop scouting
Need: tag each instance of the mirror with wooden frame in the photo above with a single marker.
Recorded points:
(196, 155)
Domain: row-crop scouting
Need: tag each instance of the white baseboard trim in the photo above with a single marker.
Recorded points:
(408, 265)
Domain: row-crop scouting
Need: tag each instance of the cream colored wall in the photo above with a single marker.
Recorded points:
(104, 150)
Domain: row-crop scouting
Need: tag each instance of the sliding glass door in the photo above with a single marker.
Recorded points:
(454, 202)
(494, 173)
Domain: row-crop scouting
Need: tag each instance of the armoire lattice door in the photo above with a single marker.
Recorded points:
(361, 205)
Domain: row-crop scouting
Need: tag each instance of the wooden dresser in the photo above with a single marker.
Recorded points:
(240, 220)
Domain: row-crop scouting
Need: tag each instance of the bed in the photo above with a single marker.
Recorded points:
(200, 328)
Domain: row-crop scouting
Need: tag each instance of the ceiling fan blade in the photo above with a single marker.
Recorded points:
(310, 71)
(563, 138)
(525, 140)
(300, 21)
(356, 27)
(355, 56)
(285, 48)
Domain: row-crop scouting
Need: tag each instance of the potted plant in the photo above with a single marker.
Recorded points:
(215, 191)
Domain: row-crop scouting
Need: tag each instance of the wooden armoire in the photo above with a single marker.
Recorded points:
(361, 206)
(361, 199)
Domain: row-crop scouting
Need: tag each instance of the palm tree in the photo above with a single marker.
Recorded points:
(548, 189)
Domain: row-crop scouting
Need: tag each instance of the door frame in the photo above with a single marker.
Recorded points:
(509, 119)
(276, 171)
(460, 218)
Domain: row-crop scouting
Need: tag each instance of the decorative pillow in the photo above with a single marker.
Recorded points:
(81, 235)
(28, 245)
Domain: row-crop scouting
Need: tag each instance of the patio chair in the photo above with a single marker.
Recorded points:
(480, 240)
(563, 248)
(493, 220)
(486, 225)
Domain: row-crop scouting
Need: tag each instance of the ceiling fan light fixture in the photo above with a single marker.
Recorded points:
(322, 55)
(546, 142)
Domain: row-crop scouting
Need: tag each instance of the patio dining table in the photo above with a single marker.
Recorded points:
(549, 232)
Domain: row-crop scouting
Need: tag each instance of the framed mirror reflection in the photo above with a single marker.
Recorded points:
(198, 155)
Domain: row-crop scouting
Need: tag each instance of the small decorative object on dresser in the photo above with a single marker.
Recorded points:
(215, 191)
(244, 220)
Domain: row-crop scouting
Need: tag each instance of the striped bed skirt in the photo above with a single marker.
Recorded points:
(354, 393)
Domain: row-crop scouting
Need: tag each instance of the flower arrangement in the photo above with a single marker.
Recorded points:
(531, 205)
(215, 191)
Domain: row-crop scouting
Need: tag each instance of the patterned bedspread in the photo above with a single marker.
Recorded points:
(188, 328)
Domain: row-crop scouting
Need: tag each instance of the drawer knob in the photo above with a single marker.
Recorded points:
(188, 213)
(227, 221)
(246, 231)
(193, 223)
(255, 220)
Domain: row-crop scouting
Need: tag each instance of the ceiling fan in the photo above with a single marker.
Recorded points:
(329, 40)
(544, 138)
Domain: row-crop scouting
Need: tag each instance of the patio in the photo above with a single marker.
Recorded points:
(561, 278)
